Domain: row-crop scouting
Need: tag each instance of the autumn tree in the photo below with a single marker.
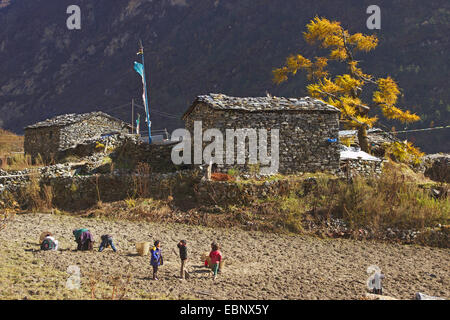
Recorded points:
(345, 91)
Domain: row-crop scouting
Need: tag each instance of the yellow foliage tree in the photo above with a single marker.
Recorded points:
(404, 152)
(344, 91)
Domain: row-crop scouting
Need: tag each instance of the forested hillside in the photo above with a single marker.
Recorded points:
(202, 46)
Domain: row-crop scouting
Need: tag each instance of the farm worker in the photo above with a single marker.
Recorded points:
(106, 242)
(183, 255)
(84, 239)
(77, 233)
(156, 259)
(216, 258)
(49, 243)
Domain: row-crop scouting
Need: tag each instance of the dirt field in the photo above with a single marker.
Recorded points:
(259, 265)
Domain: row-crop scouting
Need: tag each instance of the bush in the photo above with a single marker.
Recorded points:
(390, 201)
(395, 200)
(36, 197)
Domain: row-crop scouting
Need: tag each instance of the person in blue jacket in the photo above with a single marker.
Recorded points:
(156, 259)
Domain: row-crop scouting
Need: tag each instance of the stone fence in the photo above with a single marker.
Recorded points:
(358, 167)
(12, 180)
(236, 193)
(131, 152)
(75, 192)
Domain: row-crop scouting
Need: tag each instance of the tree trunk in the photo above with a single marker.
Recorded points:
(362, 139)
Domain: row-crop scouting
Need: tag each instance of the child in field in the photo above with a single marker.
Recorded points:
(156, 259)
(106, 242)
(49, 243)
(183, 256)
(216, 258)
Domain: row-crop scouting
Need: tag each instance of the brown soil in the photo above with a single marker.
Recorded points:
(258, 265)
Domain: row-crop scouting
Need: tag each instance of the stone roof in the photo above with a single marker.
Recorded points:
(261, 104)
(66, 119)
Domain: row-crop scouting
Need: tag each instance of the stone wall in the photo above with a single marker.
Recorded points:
(90, 147)
(48, 141)
(74, 192)
(436, 167)
(81, 192)
(158, 157)
(357, 167)
(43, 141)
(12, 180)
(303, 142)
(234, 193)
(95, 126)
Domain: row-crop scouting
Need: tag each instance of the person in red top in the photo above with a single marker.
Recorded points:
(216, 258)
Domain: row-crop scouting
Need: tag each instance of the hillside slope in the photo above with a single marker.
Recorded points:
(202, 46)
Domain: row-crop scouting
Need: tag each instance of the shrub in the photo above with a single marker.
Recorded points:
(35, 197)
(141, 180)
(390, 201)
(233, 172)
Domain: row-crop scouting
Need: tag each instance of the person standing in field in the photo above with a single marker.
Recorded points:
(183, 256)
(216, 258)
(156, 259)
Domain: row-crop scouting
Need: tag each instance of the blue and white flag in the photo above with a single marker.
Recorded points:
(139, 67)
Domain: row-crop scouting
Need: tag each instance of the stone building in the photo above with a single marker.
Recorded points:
(308, 128)
(57, 134)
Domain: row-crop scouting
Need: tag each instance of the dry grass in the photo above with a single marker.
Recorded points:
(10, 142)
(20, 161)
(400, 199)
(134, 209)
(5, 218)
(11, 147)
(141, 180)
(395, 200)
(36, 197)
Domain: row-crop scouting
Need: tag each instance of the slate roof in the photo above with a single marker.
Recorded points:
(66, 119)
(261, 104)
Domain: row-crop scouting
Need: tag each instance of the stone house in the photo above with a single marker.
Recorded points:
(308, 128)
(51, 136)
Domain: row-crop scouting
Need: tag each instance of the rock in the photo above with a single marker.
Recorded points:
(421, 296)
(436, 167)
